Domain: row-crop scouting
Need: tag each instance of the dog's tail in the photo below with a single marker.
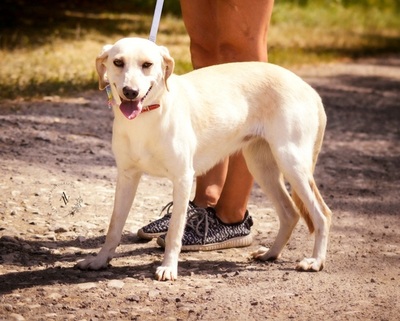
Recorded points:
(317, 147)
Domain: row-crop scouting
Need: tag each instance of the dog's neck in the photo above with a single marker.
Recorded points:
(112, 103)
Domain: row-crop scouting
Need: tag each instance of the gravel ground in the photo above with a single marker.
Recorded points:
(62, 145)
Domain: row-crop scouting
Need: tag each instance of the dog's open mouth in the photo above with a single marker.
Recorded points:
(132, 108)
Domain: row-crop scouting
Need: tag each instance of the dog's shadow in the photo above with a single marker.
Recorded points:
(60, 267)
(142, 273)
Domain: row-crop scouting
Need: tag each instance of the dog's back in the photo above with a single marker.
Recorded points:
(230, 104)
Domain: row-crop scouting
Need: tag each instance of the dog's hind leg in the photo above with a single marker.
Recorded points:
(298, 169)
(319, 214)
(265, 171)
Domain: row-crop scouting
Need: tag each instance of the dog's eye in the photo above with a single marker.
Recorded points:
(147, 65)
(118, 63)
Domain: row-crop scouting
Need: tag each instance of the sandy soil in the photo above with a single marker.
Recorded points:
(62, 145)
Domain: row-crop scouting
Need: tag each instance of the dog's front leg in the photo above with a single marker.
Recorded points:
(127, 184)
(173, 241)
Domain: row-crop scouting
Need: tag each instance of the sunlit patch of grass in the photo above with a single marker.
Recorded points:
(56, 67)
(317, 33)
(62, 65)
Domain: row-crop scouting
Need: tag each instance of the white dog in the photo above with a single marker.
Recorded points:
(194, 121)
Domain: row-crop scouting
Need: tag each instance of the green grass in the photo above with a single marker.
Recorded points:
(57, 56)
(327, 31)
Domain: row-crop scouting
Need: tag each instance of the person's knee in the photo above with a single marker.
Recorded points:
(233, 52)
(203, 55)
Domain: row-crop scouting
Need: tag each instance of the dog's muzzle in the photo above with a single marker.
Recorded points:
(132, 107)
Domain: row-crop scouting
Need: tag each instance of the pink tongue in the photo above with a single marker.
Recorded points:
(131, 108)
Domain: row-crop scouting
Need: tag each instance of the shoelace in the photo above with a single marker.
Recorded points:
(197, 217)
(168, 206)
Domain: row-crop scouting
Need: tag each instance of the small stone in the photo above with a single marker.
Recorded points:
(112, 313)
(43, 137)
(153, 294)
(60, 230)
(16, 317)
(81, 239)
(146, 310)
(50, 315)
(43, 250)
(87, 285)
(9, 239)
(117, 284)
(54, 296)
(27, 247)
(133, 298)
(8, 307)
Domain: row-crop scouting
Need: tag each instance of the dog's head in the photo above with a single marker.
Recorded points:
(137, 71)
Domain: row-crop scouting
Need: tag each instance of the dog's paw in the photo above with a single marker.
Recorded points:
(165, 273)
(310, 265)
(92, 263)
(264, 254)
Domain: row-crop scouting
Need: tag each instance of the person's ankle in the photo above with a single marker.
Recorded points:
(204, 202)
(231, 215)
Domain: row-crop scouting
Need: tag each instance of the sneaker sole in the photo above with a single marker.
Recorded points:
(241, 241)
(148, 236)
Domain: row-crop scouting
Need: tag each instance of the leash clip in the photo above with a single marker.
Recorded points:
(110, 96)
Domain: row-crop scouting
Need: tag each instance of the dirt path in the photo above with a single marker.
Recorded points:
(56, 146)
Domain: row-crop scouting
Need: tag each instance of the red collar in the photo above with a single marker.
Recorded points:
(150, 108)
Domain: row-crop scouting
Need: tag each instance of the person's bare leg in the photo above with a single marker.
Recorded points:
(242, 30)
(209, 186)
(200, 18)
(232, 204)
(243, 25)
(233, 31)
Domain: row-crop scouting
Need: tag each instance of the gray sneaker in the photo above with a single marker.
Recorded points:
(204, 231)
(160, 226)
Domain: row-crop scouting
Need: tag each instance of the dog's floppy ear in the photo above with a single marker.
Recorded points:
(169, 64)
(101, 68)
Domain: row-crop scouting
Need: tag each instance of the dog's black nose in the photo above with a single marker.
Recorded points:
(130, 93)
